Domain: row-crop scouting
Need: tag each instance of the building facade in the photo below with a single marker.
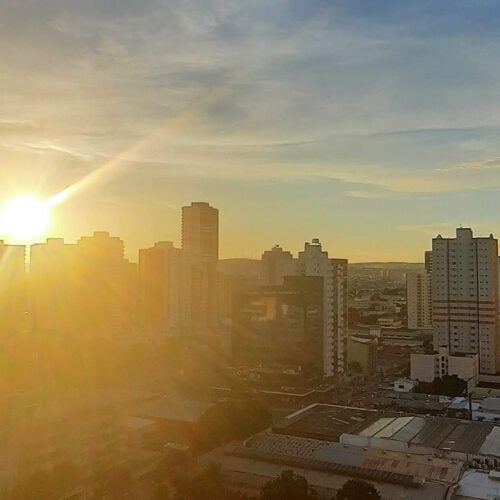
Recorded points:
(277, 333)
(165, 292)
(427, 367)
(107, 285)
(419, 299)
(54, 304)
(200, 240)
(13, 289)
(85, 289)
(465, 297)
(314, 261)
(276, 264)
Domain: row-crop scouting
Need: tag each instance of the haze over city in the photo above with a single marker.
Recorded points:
(373, 125)
(248, 249)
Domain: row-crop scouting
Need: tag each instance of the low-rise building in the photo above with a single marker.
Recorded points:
(363, 352)
(307, 442)
(426, 367)
(404, 385)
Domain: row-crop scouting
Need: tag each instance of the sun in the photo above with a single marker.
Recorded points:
(25, 219)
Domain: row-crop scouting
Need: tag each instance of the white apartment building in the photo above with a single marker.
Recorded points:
(465, 297)
(419, 299)
(313, 261)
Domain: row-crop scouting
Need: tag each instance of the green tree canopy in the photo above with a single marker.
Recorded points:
(448, 385)
(230, 420)
(355, 489)
(287, 486)
(207, 485)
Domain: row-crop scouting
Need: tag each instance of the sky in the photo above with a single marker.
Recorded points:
(373, 126)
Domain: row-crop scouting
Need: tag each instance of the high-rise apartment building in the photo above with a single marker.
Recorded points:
(200, 240)
(81, 289)
(276, 264)
(54, 282)
(428, 261)
(465, 297)
(419, 299)
(165, 291)
(200, 231)
(313, 261)
(12, 289)
(106, 280)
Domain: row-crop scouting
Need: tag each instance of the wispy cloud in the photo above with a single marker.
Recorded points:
(52, 147)
(9, 126)
(485, 164)
(368, 195)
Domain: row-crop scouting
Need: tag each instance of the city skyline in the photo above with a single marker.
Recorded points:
(371, 128)
(132, 253)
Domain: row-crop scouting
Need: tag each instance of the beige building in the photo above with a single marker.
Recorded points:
(107, 286)
(200, 240)
(313, 261)
(362, 351)
(465, 297)
(55, 305)
(419, 299)
(12, 289)
(165, 292)
(276, 264)
(84, 289)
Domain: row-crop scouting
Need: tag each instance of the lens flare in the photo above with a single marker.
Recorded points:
(25, 218)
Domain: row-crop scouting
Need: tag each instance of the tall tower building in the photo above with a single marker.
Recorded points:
(419, 299)
(12, 289)
(200, 240)
(313, 261)
(276, 264)
(165, 291)
(200, 232)
(465, 297)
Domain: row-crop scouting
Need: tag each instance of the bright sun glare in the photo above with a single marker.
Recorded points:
(25, 218)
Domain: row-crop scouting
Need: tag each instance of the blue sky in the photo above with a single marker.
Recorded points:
(371, 125)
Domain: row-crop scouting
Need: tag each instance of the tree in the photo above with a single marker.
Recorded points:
(207, 485)
(287, 486)
(355, 489)
(448, 385)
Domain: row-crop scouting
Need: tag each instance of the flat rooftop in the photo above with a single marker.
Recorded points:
(433, 432)
(324, 421)
(315, 453)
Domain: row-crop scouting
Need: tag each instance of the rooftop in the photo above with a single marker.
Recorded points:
(491, 404)
(478, 484)
(324, 421)
(436, 432)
